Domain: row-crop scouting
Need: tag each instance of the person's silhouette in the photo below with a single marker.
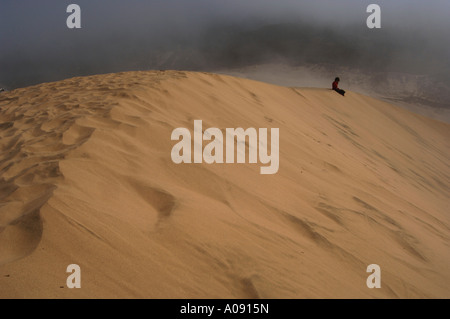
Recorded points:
(336, 88)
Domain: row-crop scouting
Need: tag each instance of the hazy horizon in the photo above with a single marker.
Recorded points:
(117, 36)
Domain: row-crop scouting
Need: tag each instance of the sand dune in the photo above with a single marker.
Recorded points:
(86, 178)
(420, 94)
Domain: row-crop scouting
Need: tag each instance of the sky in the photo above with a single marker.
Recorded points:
(37, 46)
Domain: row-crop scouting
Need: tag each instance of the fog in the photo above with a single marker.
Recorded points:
(36, 45)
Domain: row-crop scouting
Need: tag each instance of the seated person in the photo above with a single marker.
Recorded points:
(336, 88)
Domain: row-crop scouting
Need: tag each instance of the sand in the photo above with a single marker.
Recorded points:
(86, 178)
(417, 93)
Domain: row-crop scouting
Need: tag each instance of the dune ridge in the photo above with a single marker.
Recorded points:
(86, 178)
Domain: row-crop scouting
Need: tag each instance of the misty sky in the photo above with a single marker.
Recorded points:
(36, 45)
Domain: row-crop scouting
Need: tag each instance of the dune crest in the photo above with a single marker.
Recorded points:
(86, 178)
